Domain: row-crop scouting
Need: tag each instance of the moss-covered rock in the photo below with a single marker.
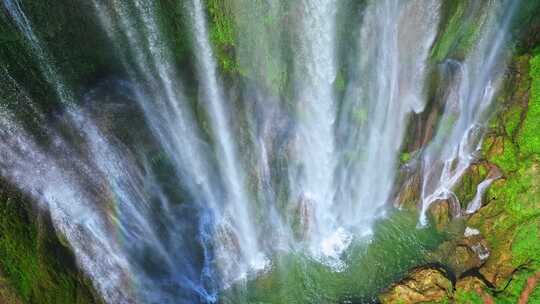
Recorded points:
(467, 187)
(511, 218)
(441, 213)
(223, 33)
(7, 293)
(423, 285)
(469, 290)
(462, 254)
(508, 222)
(528, 139)
(460, 28)
(407, 196)
(33, 260)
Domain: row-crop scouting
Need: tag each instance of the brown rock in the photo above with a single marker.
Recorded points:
(440, 213)
(422, 285)
(443, 212)
(463, 254)
(493, 222)
(470, 284)
(409, 192)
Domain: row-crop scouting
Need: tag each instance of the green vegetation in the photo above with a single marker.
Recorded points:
(405, 157)
(515, 287)
(520, 193)
(32, 258)
(529, 138)
(511, 219)
(460, 30)
(222, 33)
(507, 160)
(467, 297)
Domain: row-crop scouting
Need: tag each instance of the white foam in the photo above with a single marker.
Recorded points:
(471, 232)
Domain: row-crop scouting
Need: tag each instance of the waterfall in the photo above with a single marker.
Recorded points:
(110, 262)
(315, 65)
(476, 203)
(472, 89)
(57, 184)
(57, 181)
(388, 85)
(168, 115)
(237, 216)
(172, 184)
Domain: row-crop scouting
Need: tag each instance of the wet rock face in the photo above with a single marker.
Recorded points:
(7, 294)
(463, 254)
(409, 192)
(422, 285)
(471, 253)
(441, 213)
(444, 212)
(494, 257)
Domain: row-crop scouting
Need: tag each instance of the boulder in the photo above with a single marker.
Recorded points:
(444, 212)
(440, 212)
(425, 284)
(470, 251)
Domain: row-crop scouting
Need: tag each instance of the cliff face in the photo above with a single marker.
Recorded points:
(492, 254)
(509, 218)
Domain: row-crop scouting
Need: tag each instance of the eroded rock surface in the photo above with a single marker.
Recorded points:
(422, 285)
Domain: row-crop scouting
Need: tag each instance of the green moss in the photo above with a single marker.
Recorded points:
(467, 297)
(511, 219)
(360, 116)
(520, 193)
(515, 287)
(222, 33)
(405, 157)
(529, 136)
(512, 120)
(33, 260)
(526, 245)
(340, 82)
(175, 31)
(459, 33)
(466, 189)
(508, 159)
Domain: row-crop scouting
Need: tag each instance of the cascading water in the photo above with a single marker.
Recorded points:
(131, 203)
(387, 85)
(215, 189)
(471, 92)
(312, 182)
(237, 218)
(57, 183)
